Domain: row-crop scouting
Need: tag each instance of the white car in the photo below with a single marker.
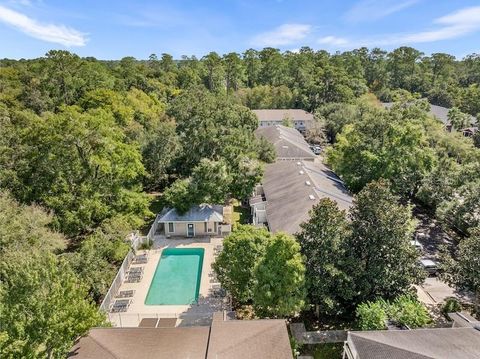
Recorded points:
(429, 265)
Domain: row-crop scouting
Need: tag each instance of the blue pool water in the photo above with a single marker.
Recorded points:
(177, 278)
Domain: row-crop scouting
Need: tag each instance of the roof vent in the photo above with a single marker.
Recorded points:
(299, 163)
(307, 183)
(311, 196)
(284, 146)
(301, 172)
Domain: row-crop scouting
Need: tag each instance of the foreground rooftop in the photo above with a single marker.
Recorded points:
(438, 343)
(228, 339)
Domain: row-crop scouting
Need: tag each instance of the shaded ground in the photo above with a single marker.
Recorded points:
(312, 323)
(431, 234)
(326, 351)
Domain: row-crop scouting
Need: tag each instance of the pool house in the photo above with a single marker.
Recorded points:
(200, 220)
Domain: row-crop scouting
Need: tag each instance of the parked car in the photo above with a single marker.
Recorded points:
(430, 266)
(316, 149)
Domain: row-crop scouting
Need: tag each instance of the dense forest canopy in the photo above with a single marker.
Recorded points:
(82, 142)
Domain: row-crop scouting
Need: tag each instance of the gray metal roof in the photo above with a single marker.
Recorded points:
(280, 114)
(439, 112)
(292, 188)
(199, 213)
(288, 142)
(438, 343)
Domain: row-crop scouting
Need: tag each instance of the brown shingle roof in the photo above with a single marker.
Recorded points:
(231, 339)
(142, 343)
(239, 339)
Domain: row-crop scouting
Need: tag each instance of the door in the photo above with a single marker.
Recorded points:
(190, 230)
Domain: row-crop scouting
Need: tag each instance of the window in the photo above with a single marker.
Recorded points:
(171, 227)
(205, 227)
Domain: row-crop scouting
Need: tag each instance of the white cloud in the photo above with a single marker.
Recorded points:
(285, 34)
(369, 10)
(451, 26)
(333, 40)
(48, 32)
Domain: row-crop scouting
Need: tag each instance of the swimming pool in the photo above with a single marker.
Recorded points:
(177, 278)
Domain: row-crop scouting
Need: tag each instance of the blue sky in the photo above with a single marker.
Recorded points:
(114, 29)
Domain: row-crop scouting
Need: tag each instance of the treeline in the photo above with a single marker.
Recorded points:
(258, 79)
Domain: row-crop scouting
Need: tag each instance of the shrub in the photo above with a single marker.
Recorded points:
(451, 305)
(407, 310)
(372, 315)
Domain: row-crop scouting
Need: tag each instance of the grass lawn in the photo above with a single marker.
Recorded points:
(241, 215)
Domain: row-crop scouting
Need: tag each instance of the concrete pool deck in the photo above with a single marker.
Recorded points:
(194, 314)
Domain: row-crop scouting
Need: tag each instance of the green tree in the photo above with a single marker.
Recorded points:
(234, 71)
(280, 278)
(402, 65)
(463, 268)
(26, 228)
(461, 210)
(99, 255)
(181, 196)
(266, 151)
(160, 146)
(272, 70)
(211, 181)
(476, 138)
(214, 72)
(322, 240)
(384, 263)
(246, 173)
(77, 164)
(458, 119)
(235, 265)
(42, 307)
(383, 144)
(252, 66)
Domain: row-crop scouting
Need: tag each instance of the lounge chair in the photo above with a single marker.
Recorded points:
(134, 277)
(140, 259)
(126, 293)
(135, 270)
(120, 305)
